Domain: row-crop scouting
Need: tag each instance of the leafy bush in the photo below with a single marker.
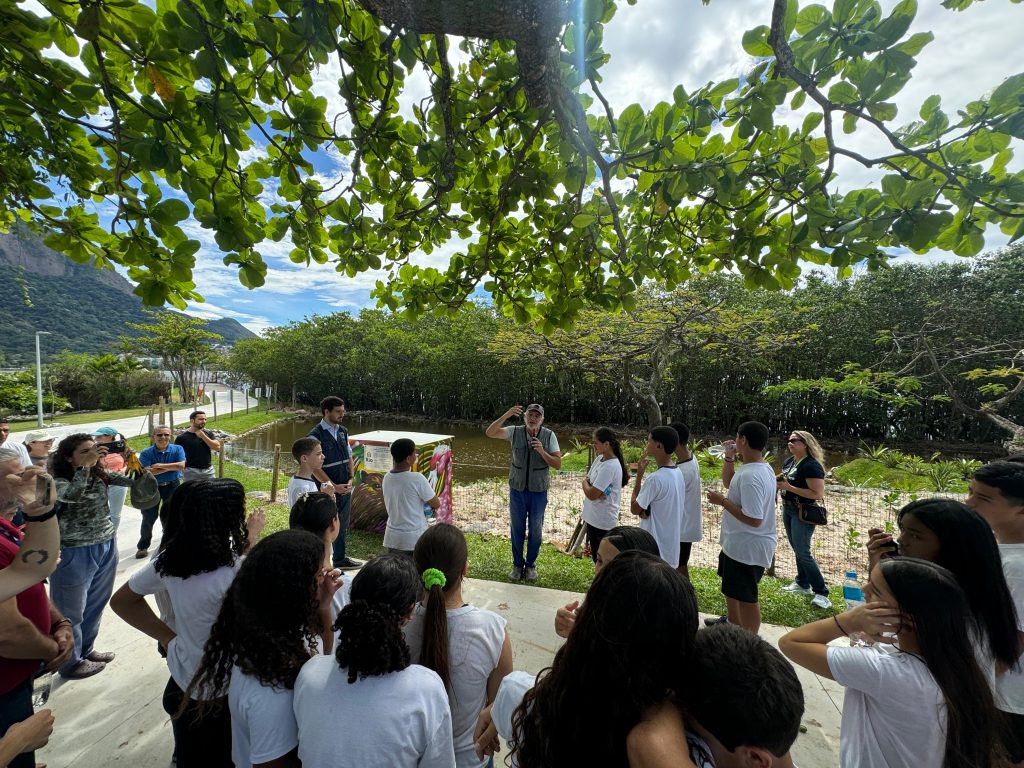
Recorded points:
(873, 452)
(892, 458)
(944, 475)
(18, 394)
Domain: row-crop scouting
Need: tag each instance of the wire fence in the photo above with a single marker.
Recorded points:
(481, 504)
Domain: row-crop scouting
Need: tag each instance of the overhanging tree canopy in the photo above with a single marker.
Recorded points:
(557, 201)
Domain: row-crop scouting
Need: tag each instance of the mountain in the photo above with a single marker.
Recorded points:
(85, 309)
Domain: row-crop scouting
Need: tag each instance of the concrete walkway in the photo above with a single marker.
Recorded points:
(115, 718)
(138, 425)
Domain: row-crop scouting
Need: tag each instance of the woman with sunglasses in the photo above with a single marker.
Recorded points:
(803, 480)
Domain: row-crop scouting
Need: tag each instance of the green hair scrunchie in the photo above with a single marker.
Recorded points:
(433, 578)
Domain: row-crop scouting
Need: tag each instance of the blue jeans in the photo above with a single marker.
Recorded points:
(526, 510)
(799, 534)
(81, 588)
(150, 516)
(344, 515)
(115, 500)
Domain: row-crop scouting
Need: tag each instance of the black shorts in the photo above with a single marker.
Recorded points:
(739, 580)
(1012, 733)
(684, 552)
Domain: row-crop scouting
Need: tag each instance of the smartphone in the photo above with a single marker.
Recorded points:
(43, 489)
(890, 549)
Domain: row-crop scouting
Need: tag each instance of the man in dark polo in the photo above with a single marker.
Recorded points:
(338, 468)
(199, 444)
(534, 452)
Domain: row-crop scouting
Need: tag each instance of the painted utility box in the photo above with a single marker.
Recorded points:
(372, 454)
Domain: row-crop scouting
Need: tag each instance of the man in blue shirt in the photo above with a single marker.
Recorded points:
(338, 468)
(167, 462)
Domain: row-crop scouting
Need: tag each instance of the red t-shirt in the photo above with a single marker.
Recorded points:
(32, 604)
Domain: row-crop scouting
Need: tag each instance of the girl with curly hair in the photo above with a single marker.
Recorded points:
(84, 579)
(204, 539)
(468, 647)
(369, 705)
(628, 651)
(275, 610)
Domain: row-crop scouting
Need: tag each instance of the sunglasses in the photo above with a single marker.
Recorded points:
(794, 440)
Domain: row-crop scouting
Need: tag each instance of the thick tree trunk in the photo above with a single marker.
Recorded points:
(534, 25)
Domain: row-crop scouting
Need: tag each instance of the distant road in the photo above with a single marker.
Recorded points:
(136, 425)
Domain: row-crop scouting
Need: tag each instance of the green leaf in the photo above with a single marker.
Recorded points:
(170, 211)
(755, 42)
(583, 220)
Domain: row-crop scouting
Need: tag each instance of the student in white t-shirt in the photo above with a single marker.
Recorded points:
(749, 532)
(929, 705)
(469, 648)
(279, 603)
(658, 499)
(205, 536)
(405, 493)
(317, 513)
(691, 525)
(997, 494)
(602, 488)
(367, 705)
(309, 455)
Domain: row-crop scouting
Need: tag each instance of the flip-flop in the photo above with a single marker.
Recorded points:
(84, 669)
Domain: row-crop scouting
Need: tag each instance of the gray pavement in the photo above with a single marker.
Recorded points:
(138, 425)
(115, 718)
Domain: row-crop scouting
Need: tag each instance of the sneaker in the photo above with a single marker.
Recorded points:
(719, 620)
(529, 574)
(84, 669)
(796, 589)
(100, 656)
(348, 562)
(821, 601)
(141, 553)
(516, 574)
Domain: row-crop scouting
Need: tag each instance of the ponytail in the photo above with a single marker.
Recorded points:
(434, 653)
(440, 556)
(370, 640)
(605, 435)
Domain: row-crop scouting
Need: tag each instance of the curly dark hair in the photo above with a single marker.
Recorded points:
(269, 619)
(628, 651)
(370, 638)
(204, 528)
(61, 464)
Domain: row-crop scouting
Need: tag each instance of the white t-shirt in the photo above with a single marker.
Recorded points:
(263, 724)
(510, 695)
(692, 526)
(397, 720)
(195, 602)
(662, 494)
(1010, 684)
(405, 493)
(894, 714)
(753, 489)
(475, 639)
(606, 476)
(22, 449)
(298, 486)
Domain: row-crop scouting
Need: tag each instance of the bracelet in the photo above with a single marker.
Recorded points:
(836, 620)
(58, 623)
(39, 518)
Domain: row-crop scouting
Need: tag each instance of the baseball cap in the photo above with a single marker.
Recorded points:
(106, 431)
(37, 436)
(536, 407)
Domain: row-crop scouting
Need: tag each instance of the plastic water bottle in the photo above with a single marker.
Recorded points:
(608, 490)
(853, 594)
(718, 451)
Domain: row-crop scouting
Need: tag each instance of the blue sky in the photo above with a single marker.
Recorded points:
(654, 45)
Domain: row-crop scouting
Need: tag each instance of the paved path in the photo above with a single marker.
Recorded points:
(138, 425)
(116, 718)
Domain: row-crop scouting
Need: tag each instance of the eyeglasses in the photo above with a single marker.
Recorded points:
(794, 440)
(159, 436)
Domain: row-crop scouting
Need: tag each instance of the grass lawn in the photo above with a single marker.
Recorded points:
(489, 559)
(874, 474)
(87, 417)
(234, 424)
